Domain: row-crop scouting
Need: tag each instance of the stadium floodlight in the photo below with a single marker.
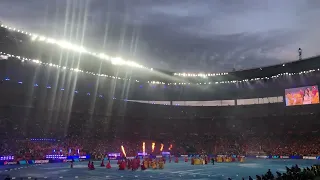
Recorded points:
(104, 56)
(42, 38)
(134, 64)
(117, 61)
(203, 75)
(3, 57)
(34, 37)
(51, 41)
(80, 49)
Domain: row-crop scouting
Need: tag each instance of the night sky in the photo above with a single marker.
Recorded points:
(178, 35)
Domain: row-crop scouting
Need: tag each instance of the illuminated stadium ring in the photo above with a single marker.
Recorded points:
(6, 55)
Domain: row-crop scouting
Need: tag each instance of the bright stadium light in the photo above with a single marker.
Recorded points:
(103, 56)
(203, 75)
(51, 41)
(117, 61)
(3, 57)
(42, 38)
(80, 49)
(34, 37)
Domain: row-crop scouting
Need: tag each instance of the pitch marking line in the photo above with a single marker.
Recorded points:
(187, 171)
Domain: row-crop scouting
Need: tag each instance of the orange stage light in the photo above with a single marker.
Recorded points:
(161, 148)
(153, 146)
(144, 147)
(123, 151)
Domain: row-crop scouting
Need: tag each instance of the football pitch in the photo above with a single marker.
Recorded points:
(174, 171)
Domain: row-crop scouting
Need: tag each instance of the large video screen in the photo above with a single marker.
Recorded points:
(302, 96)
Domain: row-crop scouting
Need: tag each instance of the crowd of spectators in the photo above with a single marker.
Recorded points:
(281, 136)
(293, 173)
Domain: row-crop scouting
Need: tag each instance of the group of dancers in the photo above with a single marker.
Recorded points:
(205, 159)
(158, 163)
(132, 164)
(220, 159)
(91, 165)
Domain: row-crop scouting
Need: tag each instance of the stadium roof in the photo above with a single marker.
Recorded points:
(22, 44)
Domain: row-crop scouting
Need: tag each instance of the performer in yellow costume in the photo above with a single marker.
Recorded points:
(146, 163)
(154, 164)
(149, 163)
(219, 159)
(161, 164)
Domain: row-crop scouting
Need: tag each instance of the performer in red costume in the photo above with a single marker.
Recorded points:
(102, 164)
(108, 166)
(239, 158)
(122, 165)
(186, 159)
(89, 163)
(91, 166)
(134, 164)
(176, 160)
(138, 161)
(129, 164)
